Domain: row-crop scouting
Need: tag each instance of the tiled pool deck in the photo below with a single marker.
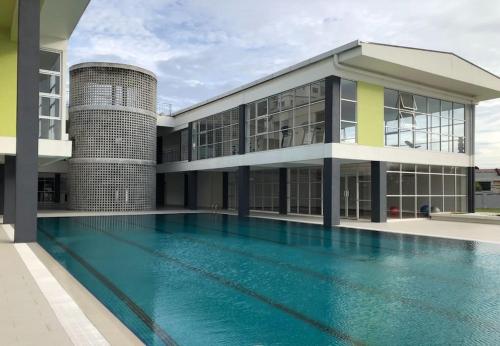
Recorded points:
(30, 316)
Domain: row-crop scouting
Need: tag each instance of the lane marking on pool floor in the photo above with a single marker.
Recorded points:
(78, 327)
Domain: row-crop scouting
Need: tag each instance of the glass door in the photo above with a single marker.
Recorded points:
(349, 197)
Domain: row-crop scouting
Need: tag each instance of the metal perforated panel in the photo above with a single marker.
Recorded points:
(113, 128)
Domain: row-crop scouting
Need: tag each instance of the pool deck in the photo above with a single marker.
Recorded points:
(42, 304)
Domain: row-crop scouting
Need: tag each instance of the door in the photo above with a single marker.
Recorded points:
(349, 197)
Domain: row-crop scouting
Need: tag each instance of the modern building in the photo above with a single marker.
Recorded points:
(488, 188)
(33, 135)
(364, 131)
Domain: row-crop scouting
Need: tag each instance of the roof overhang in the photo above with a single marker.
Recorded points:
(441, 70)
(58, 18)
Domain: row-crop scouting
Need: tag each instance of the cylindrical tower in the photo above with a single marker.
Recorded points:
(113, 128)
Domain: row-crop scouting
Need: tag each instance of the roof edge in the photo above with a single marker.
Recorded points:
(112, 65)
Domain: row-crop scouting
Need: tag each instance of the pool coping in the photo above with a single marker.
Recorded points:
(110, 326)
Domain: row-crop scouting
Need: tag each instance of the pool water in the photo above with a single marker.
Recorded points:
(210, 279)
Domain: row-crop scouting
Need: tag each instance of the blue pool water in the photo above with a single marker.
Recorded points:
(204, 279)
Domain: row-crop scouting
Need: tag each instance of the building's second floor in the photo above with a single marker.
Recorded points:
(357, 101)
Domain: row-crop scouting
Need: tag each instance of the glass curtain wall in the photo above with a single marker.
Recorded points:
(415, 190)
(425, 123)
(264, 190)
(216, 135)
(294, 117)
(305, 191)
(348, 111)
(49, 86)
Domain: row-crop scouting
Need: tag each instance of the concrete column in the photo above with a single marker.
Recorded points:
(283, 201)
(242, 127)
(379, 191)
(225, 190)
(331, 192)
(9, 183)
(192, 190)
(159, 149)
(332, 109)
(2, 196)
(28, 50)
(471, 189)
(243, 190)
(186, 192)
(190, 142)
(160, 190)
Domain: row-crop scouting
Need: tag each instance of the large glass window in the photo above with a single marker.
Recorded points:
(294, 117)
(348, 105)
(416, 190)
(305, 191)
(216, 135)
(49, 87)
(424, 123)
(264, 190)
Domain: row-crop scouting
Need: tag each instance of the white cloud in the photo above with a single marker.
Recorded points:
(200, 48)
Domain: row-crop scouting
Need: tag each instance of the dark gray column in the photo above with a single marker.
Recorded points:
(243, 190)
(57, 187)
(159, 149)
(225, 190)
(379, 191)
(332, 109)
(160, 190)
(471, 189)
(28, 51)
(1, 188)
(242, 127)
(186, 192)
(283, 201)
(192, 190)
(9, 182)
(190, 142)
(331, 192)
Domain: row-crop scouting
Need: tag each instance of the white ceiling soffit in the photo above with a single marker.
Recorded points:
(440, 70)
(58, 18)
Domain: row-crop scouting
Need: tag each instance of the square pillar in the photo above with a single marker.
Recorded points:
(471, 189)
(379, 191)
(192, 190)
(28, 52)
(243, 191)
(225, 190)
(332, 109)
(160, 190)
(242, 128)
(283, 201)
(9, 192)
(331, 192)
(190, 142)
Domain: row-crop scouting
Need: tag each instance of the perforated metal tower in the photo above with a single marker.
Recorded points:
(113, 128)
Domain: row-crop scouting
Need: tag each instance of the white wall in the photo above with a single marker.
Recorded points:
(174, 189)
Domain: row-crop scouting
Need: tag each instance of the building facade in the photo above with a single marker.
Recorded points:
(33, 116)
(365, 131)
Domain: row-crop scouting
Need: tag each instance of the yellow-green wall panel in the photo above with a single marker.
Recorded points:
(370, 114)
(8, 84)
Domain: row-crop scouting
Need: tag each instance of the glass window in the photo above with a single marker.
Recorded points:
(50, 61)
(286, 100)
(318, 112)
(301, 116)
(347, 90)
(49, 129)
(302, 95)
(391, 98)
(421, 104)
(273, 104)
(348, 111)
(49, 84)
(391, 117)
(262, 108)
(407, 101)
(317, 91)
(49, 107)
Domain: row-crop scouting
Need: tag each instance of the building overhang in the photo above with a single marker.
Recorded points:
(440, 70)
(58, 18)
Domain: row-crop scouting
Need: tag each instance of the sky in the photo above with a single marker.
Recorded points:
(201, 48)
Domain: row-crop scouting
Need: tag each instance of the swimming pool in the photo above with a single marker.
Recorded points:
(210, 279)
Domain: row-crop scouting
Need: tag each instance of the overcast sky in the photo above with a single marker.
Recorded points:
(201, 48)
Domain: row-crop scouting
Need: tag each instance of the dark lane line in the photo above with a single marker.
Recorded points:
(236, 286)
(137, 310)
(415, 303)
(326, 254)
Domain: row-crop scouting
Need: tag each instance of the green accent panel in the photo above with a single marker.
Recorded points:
(8, 84)
(370, 114)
